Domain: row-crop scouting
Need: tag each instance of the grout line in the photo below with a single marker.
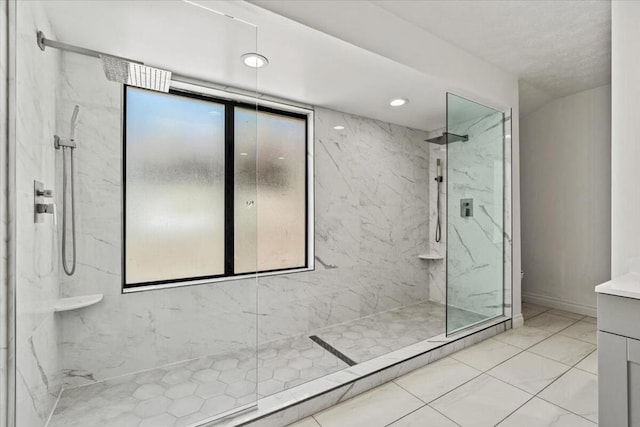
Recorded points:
(443, 415)
(449, 391)
(565, 409)
(515, 410)
(537, 395)
(433, 400)
(581, 360)
(481, 372)
(405, 415)
(557, 361)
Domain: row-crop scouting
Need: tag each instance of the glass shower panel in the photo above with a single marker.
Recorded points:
(475, 213)
(164, 354)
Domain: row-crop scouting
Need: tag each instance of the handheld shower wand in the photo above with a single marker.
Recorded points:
(439, 180)
(70, 144)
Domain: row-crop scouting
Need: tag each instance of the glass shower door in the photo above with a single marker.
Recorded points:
(475, 213)
(156, 182)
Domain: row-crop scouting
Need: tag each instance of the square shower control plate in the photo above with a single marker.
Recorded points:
(466, 208)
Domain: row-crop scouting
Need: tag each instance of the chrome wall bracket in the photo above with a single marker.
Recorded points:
(59, 143)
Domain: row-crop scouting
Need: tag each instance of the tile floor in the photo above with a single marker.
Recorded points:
(190, 391)
(543, 374)
(186, 392)
(372, 336)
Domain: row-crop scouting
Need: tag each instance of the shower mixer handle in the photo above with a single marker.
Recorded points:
(45, 208)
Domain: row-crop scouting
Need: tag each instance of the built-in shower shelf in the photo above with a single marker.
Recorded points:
(73, 303)
(430, 256)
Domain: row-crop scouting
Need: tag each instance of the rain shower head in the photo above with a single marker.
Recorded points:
(447, 137)
(133, 74)
(116, 69)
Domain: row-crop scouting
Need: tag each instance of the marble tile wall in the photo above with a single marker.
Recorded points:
(371, 207)
(437, 271)
(38, 376)
(4, 99)
(371, 203)
(475, 250)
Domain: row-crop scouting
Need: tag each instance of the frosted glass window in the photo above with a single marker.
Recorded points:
(205, 201)
(175, 187)
(271, 170)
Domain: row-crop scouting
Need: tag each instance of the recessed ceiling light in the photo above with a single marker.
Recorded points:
(281, 158)
(243, 154)
(254, 60)
(338, 127)
(398, 102)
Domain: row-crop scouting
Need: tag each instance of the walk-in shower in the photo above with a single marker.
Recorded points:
(189, 197)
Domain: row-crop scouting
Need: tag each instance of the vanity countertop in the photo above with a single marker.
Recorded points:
(627, 286)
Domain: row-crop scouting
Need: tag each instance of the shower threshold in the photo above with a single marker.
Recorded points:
(186, 393)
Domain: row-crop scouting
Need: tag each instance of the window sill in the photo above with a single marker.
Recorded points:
(180, 284)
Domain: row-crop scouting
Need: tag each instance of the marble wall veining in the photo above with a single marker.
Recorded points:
(371, 216)
(476, 244)
(472, 294)
(38, 374)
(127, 333)
(371, 222)
(4, 291)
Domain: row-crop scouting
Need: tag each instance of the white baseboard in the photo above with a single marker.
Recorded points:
(573, 307)
(517, 321)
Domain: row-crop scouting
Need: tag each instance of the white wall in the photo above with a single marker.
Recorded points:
(625, 135)
(566, 195)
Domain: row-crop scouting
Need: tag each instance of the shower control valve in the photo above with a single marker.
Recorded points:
(40, 208)
(45, 208)
(466, 208)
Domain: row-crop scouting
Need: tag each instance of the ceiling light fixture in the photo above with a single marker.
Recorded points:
(398, 102)
(338, 127)
(244, 154)
(254, 60)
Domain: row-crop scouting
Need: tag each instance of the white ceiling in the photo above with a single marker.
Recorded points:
(555, 47)
(306, 65)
